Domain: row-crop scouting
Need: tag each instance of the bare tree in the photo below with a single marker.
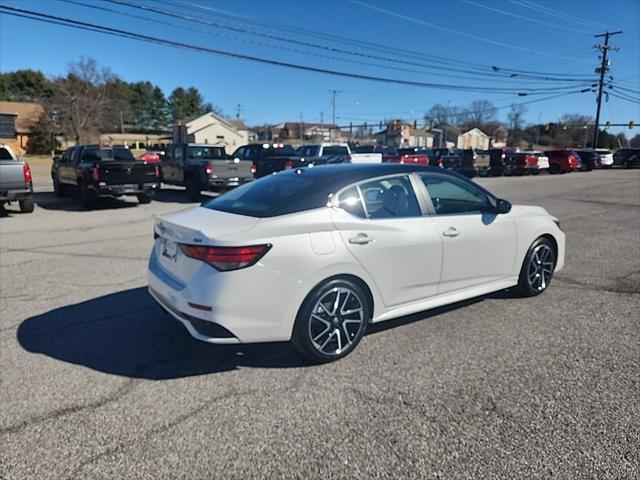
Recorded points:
(516, 116)
(478, 114)
(79, 100)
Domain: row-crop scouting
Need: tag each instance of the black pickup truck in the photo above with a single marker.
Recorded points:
(95, 171)
(270, 157)
(203, 167)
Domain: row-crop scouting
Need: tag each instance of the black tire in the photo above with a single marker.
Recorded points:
(193, 189)
(337, 327)
(27, 205)
(540, 261)
(88, 197)
(58, 188)
(144, 198)
(554, 168)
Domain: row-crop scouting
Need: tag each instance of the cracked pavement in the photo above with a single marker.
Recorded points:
(96, 382)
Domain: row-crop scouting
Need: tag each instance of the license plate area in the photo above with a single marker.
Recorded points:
(169, 249)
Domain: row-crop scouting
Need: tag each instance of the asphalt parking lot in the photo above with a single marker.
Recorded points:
(97, 383)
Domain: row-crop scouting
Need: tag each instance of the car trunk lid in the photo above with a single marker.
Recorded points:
(197, 226)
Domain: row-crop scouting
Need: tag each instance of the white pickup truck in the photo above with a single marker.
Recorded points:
(327, 153)
(15, 180)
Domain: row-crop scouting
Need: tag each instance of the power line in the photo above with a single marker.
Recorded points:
(529, 19)
(339, 50)
(457, 32)
(555, 13)
(34, 15)
(289, 49)
(624, 97)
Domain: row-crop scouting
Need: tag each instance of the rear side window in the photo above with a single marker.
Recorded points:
(269, 196)
(286, 150)
(391, 197)
(365, 149)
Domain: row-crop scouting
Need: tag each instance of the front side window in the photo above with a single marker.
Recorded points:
(391, 197)
(451, 196)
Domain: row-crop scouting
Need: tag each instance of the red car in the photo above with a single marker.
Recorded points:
(151, 157)
(417, 156)
(562, 161)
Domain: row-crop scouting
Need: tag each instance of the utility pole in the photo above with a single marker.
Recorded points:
(604, 68)
(238, 110)
(321, 118)
(301, 126)
(333, 109)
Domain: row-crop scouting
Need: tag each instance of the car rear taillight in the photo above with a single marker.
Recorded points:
(440, 163)
(531, 160)
(225, 259)
(95, 174)
(157, 171)
(26, 171)
(208, 169)
(348, 159)
(253, 169)
(288, 164)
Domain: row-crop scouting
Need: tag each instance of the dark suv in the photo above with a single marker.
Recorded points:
(627, 157)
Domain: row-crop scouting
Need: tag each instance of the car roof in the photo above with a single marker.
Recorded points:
(338, 176)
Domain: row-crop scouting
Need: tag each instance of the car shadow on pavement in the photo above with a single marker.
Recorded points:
(126, 333)
(49, 201)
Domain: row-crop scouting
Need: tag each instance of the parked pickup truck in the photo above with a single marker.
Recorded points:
(327, 153)
(203, 167)
(268, 158)
(15, 180)
(97, 171)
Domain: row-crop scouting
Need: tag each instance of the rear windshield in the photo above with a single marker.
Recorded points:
(96, 154)
(334, 150)
(273, 195)
(5, 155)
(206, 153)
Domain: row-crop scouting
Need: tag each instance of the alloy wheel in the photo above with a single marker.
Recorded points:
(540, 268)
(335, 321)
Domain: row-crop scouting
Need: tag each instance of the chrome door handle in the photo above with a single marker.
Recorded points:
(361, 239)
(452, 232)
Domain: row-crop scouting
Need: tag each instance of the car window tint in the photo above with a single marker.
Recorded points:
(391, 197)
(4, 154)
(337, 150)
(453, 196)
(272, 195)
(350, 201)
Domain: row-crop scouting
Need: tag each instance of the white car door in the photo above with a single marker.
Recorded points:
(382, 225)
(478, 246)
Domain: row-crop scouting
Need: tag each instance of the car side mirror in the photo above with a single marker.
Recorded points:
(502, 206)
(56, 159)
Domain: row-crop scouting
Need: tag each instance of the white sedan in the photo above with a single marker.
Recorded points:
(316, 254)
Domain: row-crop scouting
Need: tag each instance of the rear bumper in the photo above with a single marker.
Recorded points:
(12, 195)
(128, 189)
(243, 306)
(230, 182)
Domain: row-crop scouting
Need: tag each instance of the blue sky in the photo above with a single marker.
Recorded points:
(555, 37)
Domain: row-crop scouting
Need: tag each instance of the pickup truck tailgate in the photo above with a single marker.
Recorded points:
(231, 169)
(11, 175)
(119, 173)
